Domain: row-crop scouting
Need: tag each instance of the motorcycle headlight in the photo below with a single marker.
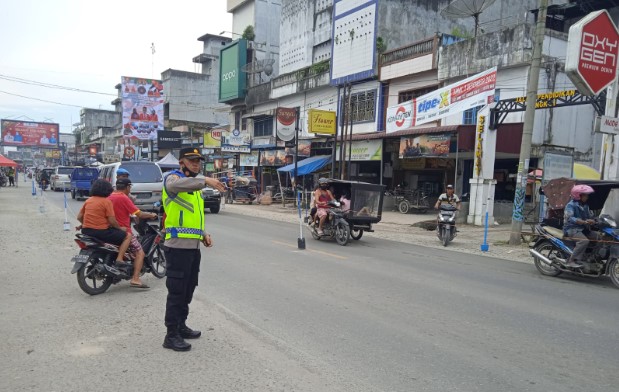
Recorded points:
(443, 218)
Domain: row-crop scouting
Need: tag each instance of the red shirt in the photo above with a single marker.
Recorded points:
(123, 207)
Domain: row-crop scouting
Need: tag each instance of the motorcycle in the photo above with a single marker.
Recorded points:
(335, 227)
(446, 227)
(551, 252)
(95, 264)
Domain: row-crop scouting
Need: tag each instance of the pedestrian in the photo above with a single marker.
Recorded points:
(11, 176)
(184, 223)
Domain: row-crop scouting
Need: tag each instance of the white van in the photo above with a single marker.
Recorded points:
(146, 181)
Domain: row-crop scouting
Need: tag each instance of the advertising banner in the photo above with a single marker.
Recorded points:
(305, 146)
(478, 90)
(235, 141)
(249, 159)
(30, 134)
(285, 123)
(273, 158)
(169, 140)
(321, 122)
(142, 102)
(370, 150)
(425, 146)
(212, 138)
(232, 80)
(557, 165)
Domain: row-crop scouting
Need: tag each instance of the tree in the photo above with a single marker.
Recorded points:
(248, 33)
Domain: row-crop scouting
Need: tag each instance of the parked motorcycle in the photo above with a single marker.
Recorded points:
(95, 264)
(335, 227)
(551, 252)
(446, 223)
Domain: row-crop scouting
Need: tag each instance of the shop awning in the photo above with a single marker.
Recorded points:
(4, 161)
(307, 166)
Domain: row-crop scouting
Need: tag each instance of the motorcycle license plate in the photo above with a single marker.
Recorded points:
(80, 259)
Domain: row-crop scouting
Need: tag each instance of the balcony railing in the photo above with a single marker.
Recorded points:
(421, 48)
(310, 72)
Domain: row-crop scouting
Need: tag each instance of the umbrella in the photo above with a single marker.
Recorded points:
(584, 172)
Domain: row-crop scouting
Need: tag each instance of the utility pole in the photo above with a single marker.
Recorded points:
(527, 131)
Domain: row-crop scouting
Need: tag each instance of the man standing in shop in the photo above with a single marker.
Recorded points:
(184, 223)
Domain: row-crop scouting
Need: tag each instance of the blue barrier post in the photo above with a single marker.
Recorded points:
(485, 246)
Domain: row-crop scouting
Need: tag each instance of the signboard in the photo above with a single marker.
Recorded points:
(548, 100)
(478, 90)
(605, 124)
(249, 159)
(31, 134)
(285, 123)
(305, 147)
(436, 145)
(232, 82)
(591, 60)
(366, 150)
(557, 166)
(235, 141)
(142, 102)
(169, 140)
(273, 158)
(322, 122)
(212, 138)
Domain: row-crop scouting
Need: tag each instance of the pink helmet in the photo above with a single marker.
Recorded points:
(578, 190)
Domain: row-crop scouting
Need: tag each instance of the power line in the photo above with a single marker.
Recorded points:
(39, 99)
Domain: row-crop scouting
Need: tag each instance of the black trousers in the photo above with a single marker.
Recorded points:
(182, 270)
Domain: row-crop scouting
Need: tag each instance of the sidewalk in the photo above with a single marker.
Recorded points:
(399, 227)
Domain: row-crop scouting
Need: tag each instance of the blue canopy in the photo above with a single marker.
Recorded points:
(307, 166)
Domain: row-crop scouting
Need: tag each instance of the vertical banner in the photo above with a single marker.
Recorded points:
(142, 102)
(286, 119)
(485, 146)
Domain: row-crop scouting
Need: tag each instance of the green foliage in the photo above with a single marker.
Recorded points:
(248, 33)
(320, 67)
(456, 32)
(381, 45)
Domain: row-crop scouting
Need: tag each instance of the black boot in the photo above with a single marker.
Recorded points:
(174, 341)
(188, 333)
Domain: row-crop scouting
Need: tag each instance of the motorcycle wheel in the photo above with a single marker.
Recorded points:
(444, 236)
(90, 281)
(342, 233)
(547, 249)
(404, 207)
(73, 194)
(158, 263)
(356, 234)
(314, 234)
(613, 272)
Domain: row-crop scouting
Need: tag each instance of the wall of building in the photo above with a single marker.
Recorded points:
(192, 97)
(242, 17)
(266, 26)
(417, 81)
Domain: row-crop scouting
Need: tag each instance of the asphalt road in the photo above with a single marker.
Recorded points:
(388, 316)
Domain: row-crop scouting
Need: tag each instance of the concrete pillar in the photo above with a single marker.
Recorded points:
(483, 183)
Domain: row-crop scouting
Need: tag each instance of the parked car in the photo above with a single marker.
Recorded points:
(59, 180)
(212, 199)
(146, 179)
(81, 181)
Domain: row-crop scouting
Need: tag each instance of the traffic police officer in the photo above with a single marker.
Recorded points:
(184, 224)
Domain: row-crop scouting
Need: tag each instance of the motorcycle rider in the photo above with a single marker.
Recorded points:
(449, 197)
(322, 195)
(123, 209)
(577, 219)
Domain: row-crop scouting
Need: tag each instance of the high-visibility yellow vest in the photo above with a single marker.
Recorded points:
(184, 213)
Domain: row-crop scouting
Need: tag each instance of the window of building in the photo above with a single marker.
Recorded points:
(469, 117)
(363, 106)
(409, 95)
(263, 126)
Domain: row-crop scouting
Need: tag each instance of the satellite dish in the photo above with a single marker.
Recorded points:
(265, 65)
(466, 8)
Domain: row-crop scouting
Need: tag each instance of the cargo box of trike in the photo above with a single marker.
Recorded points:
(366, 200)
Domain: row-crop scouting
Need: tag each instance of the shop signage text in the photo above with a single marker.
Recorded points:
(608, 125)
(548, 100)
(286, 118)
(370, 150)
(479, 151)
(322, 122)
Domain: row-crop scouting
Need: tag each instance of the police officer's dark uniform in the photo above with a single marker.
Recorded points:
(184, 225)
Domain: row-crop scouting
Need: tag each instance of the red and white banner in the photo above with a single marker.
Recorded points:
(478, 90)
(286, 121)
(29, 134)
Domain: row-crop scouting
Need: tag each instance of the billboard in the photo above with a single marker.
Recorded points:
(232, 82)
(142, 102)
(436, 145)
(285, 123)
(477, 90)
(169, 140)
(249, 159)
(235, 141)
(29, 134)
(273, 158)
(322, 122)
(212, 138)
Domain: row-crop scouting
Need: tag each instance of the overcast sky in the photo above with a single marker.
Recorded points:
(90, 44)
